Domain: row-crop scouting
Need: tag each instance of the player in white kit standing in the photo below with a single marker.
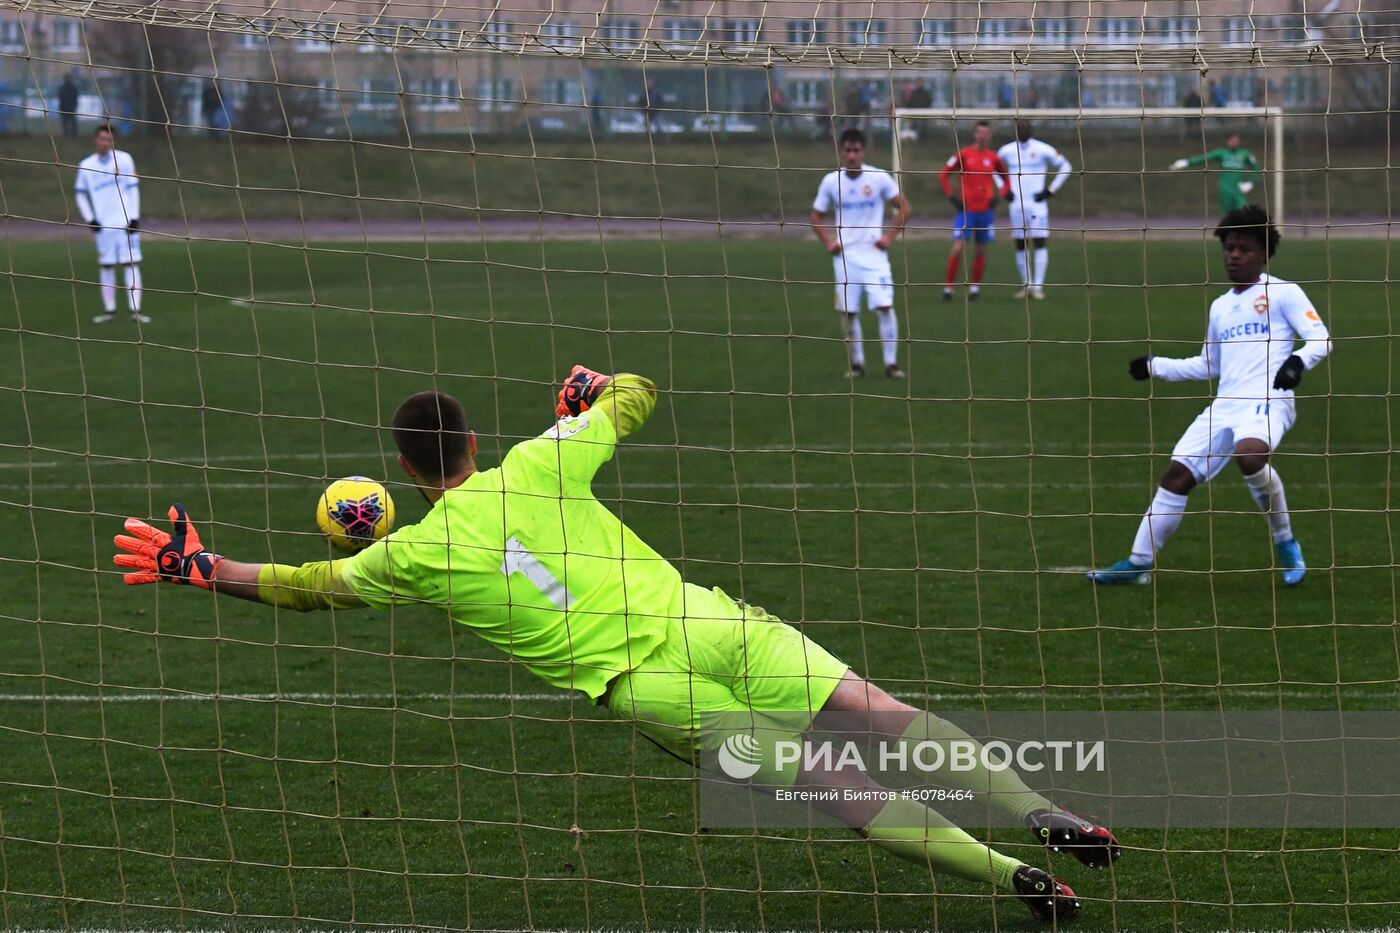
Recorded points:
(109, 200)
(1030, 162)
(857, 196)
(1249, 348)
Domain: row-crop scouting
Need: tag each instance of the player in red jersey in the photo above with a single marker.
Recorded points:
(978, 168)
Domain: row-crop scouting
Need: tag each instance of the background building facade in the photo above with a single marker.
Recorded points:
(330, 69)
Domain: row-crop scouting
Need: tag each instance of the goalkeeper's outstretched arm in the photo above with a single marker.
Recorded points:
(150, 555)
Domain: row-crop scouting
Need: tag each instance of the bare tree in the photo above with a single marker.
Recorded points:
(158, 65)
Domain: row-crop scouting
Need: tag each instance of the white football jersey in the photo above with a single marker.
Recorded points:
(1030, 163)
(108, 190)
(1248, 337)
(858, 205)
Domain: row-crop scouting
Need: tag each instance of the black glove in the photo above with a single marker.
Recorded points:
(134, 224)
(177, 557)
(1290, 373)
(1044, 194)
(1139, 370)
(1010, 196)
(956, 201)
(94, 225)
(992, 204)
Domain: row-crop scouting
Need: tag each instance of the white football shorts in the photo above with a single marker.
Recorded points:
(116, 247)
(1209, 442)
(1030, 219)
(869, 276)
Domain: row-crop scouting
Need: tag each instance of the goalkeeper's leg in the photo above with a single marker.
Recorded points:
(918, 834)
(862, 705)
(907, 828)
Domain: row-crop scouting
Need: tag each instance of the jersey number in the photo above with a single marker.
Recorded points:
(519, 560)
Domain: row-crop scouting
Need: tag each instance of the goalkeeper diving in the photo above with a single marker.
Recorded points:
(531, 561)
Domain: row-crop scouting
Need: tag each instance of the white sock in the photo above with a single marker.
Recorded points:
(1021, 266)
(1042, 260)
(132, 281)
(1267, 490)
(855, 339)
(1158, 525)
(889, 335)
(107, 279)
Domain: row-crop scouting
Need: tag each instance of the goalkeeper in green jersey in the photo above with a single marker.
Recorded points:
(1238, 172)
(531, 561)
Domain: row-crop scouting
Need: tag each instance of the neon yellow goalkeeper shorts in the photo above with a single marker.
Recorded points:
(724, 658)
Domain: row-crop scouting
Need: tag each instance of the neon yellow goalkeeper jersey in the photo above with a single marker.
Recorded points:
(532, 561)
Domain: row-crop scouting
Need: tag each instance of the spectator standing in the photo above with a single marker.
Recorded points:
(68, 106)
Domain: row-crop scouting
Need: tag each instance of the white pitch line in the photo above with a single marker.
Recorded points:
(741, 487)
(366, 928)
(990, 450)
(102, 462)
(991, 694)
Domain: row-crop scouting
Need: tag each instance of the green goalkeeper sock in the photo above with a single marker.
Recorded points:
(1008, 795)
(914, 832)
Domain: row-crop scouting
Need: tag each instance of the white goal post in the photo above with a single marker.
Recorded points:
(1273, 123)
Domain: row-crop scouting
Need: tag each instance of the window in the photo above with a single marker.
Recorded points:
(808, 94)
(444, 31)
(67, 36)
(438, 94)
(866, 32)
(1122, 90)
(997, 31)
(683, 30)
(495, 32)
(1177, 30)
(1290, 29)
(1241, 90)
(982, 94)
(315, 37)
(379, 38)
(936, 32)
(621, 33)
(1237, 30)
(560, 35)
(255, 40)
(375, 95)
(1300, 90)
(740, 31)
(1120, 30)
(326, 93)
(566, 92)
(1055, 30)
(495, 94)
(11, 35)
(806, 31)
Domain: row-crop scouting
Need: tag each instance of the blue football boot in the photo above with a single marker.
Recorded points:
(1290, 560)
(1125, 571)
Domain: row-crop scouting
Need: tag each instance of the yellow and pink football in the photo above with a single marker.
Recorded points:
(354, 513)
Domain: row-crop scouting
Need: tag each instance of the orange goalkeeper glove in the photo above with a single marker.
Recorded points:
(156, 555)
(580, 391)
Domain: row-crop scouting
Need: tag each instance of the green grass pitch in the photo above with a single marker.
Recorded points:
(930, 532)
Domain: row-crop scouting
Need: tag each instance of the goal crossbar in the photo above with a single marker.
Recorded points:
(1273, 121)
